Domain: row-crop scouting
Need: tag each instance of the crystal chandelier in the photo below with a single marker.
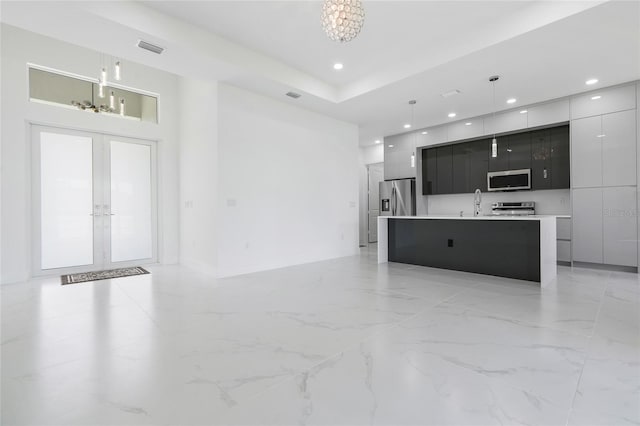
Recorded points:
(342, 20)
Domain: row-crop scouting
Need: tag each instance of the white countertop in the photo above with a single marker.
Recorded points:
(529, 217)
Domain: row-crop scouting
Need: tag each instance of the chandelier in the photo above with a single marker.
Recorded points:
(102, 86)
(342, 20)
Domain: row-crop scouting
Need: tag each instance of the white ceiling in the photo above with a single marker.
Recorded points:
(394, 32)
(406, 50)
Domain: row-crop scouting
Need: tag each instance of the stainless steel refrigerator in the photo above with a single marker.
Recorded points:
(398, 197)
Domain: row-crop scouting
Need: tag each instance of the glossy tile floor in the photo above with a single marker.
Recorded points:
(344, 342)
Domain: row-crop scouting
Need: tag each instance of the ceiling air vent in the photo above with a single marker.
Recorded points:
(150, 47)
(450, 93)
(293, 95)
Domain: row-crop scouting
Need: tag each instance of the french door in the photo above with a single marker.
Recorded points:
(94, 198)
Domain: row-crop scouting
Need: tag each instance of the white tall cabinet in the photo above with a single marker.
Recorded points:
(604, 177)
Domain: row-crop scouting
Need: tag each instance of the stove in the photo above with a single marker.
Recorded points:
(513, 208)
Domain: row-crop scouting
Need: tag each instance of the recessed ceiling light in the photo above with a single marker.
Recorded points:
(451, 114)
(595, 98)
(338, 66)
(424, 133)
(390, 146)
(524, 111)
(377, 140)
(591, 81)
(407, 126)
(468, 123)
(601, 136)
(511, 101)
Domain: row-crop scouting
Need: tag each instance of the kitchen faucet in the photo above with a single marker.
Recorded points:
(477, 199)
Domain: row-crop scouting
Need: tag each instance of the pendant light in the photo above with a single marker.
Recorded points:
(494, 141)
(102, 80)
(116, 70)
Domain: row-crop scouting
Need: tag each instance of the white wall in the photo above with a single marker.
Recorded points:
(372, 154)
(198, 174)
(20, 47)
(288, 188)
(366, 155)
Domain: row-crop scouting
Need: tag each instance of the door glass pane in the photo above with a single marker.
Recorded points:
(66, 173)
(130, 201)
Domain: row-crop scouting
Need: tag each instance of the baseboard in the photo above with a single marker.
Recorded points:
(199, 266)
(605, 267)
(563, 263)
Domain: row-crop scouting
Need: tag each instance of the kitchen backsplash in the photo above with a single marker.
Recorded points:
(556, 201)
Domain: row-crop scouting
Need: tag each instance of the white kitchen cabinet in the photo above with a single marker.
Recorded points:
(563, 251)
(603, 150)
(461, 130)
(548, 113)
(563, 236)
(603, 101)
(587, 225)
(398, 150)
(433, 136)
(586, 152)
(505, 122)
(619, 148)
(620, 226)
(563, 228)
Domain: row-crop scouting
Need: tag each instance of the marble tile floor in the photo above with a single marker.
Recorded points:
(338, 342)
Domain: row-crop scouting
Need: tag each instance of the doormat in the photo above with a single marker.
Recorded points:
(102, 275)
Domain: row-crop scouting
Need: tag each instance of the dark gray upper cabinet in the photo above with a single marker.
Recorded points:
(560, 157)
(519, 151)
(429, 169)
(540, 160)
(550, 158)
(514, 152)
(462, 167)
(470, 166)
(444, 172)
(460, 162)
(501, 161)
(478, 164)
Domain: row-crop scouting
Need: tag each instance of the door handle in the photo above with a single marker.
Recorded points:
(393, 200)
(106, 211)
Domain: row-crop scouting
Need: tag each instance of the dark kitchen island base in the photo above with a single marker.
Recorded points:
(506, 247)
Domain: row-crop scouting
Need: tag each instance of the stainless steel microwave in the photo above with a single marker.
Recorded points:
(509, 180)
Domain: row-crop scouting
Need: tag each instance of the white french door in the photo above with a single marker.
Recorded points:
(94, 198)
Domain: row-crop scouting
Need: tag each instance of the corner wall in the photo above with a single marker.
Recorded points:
(288, 188)
(198, 174)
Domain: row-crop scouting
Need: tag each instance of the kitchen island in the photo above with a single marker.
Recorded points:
(520, 247)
